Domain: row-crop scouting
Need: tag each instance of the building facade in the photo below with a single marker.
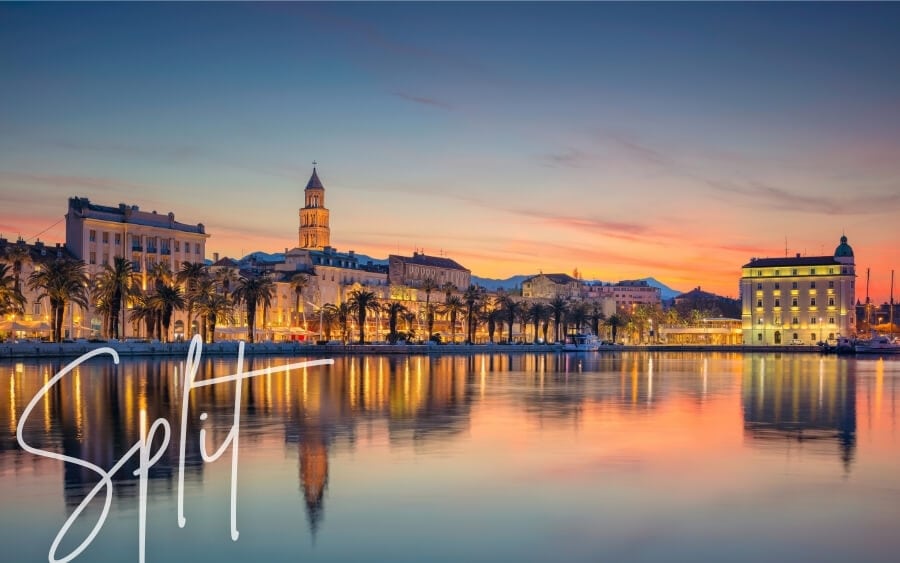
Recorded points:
(315, 232)
(548, 286)
(799, 300)
(413, 271)
(97, 234)
(625, 294)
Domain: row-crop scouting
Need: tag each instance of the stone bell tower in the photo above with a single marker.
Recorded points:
(315, 233)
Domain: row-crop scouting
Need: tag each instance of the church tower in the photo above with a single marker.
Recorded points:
(315, 233)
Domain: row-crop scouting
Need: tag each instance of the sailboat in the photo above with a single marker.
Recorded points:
(881, 344)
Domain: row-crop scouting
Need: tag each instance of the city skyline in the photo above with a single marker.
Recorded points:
(649, 140)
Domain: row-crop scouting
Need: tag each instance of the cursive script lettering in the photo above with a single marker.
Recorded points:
(142, 448)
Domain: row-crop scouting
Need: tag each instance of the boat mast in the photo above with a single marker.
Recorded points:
(868, 322)
(891, 313)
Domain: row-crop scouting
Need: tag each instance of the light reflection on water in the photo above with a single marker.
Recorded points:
(628, 457)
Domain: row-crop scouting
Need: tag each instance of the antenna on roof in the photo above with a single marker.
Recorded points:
(785, 246)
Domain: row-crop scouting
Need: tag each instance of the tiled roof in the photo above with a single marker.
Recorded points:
(561, 279)
(39, 252)
(225, 263)
(793, 261)
(434, 261)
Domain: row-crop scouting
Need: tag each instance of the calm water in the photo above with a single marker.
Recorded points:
(627, 457)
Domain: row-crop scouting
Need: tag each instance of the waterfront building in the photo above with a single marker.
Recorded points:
(718, 331)
(799, 299)
(548, 286)
(34, 320)
(97, 234)
(315, 232)
(414, 270)
(625, 294)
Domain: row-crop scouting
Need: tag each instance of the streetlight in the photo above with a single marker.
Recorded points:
(321, 317)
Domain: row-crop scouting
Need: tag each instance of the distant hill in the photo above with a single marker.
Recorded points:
(493, 284)
(263, 257)
(666, 292)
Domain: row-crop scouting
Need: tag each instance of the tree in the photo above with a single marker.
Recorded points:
(409, 318)
(473, 296)
(116, 284)
(597, 317)
(361, 303)
(252, 292)
(166, 300)
(394, 309)
(448, 288)
(63, 281)
(214, 307)
(18, 255)
(11, 299)
(614, 322)
(578, 316)
(558, 308)
(429, 285)
(453, 306)
(142, 310)
(511, 309)
(538, 312)
(298, 283)
(191, 276)
(342, 314)
(329, 317)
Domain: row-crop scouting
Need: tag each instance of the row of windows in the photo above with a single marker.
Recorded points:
(796, 285)
(154, 244)
(795, 302)
(794, 321)
(796, 337)
(799, 272)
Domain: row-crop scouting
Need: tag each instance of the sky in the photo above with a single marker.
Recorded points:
(625, 140)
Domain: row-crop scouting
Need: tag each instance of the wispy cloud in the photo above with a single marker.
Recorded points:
(423, 100)
(774, 197)
(568, 158)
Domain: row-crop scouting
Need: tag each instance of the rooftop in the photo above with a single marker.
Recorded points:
(82, 207)
(425, 260)
(792, 261)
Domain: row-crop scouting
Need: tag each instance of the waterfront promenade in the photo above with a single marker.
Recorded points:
(32, 349)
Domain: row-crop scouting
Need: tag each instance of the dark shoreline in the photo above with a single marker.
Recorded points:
(23, 350)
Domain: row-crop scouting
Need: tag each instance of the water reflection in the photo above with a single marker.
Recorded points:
(629, 407)
(787, 405)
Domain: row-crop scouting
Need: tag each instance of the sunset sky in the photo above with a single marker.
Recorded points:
(666, 140)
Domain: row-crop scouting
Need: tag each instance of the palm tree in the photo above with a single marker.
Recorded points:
(62, 281)
(160, 274)
(538, 312)
(143, 310)
(394, 309)
(558, 308)
(448, 288)
(191, 276)
(214, 307)
(116, 284)
(597, 317)
(329, 317)
(614, 322)
(362, 302)
(341, 314)
(454, 306)
(409, 317)
(472, 297)
(429, 285)
(167, 300)
(511, 309)
(299, 282)
(18, 255)
(252, 292)
(578, 315)
(11, 299)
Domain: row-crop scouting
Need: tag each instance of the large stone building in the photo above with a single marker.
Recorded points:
(315, 232)
(548, 286)
(626, 294)
(413, 271)
(800, 299)
(97, 234)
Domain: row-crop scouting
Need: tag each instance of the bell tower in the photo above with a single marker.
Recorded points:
(315, 233)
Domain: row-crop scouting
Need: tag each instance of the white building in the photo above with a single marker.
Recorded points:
(799, 300)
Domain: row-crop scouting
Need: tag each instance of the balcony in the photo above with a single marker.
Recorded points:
(137, 248)
(165, 251)
(151, 250)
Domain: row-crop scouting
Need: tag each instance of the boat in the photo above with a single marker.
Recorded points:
(581, 343)
(841, 346)
(882, 344)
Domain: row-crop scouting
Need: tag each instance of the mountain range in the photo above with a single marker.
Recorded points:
(492, 284)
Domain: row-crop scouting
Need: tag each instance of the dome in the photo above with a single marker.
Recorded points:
(843, 249)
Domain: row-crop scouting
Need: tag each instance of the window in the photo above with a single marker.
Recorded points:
(92, 235)
(118, 239)
(793, 302)
(758, 272)
(759, 337)
(813, 321)
(106, 257)
(831, 320)
(812, 272)
(759, 302)
(778, 302)
(812, 337)
(831, 285)
(777, 285)
(197, 248)
(812, 302)
(794, 272)
(831, 301)
(794, 285)
(759, 321)
(776, 272)
(93, 258)
(36, 309)
(177, 246)
(830, 270)
(777, 320)
(795, 321)
(812, 285)
(843, 270)
(105, 237)
(759, 286)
